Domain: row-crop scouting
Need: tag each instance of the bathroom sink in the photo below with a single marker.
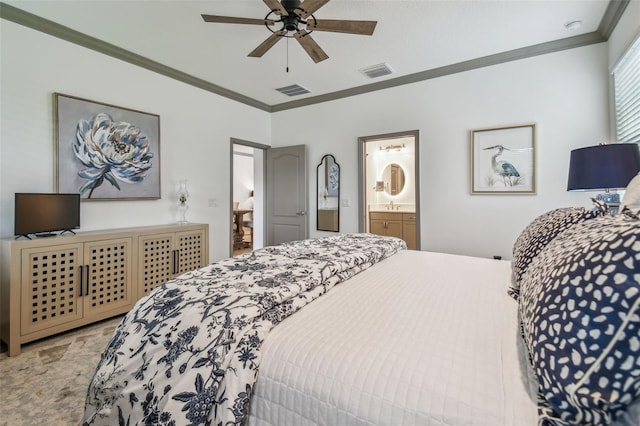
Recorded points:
(385, 208)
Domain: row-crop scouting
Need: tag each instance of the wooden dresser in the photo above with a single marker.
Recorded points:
(50, 285)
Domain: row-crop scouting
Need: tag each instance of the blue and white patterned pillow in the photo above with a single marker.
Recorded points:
(580, 310)
(540, 232)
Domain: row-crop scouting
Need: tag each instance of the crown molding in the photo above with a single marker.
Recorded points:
(21, 17)
(485, 61)
(612, 15)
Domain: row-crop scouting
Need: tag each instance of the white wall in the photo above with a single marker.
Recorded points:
(564, 93)
(242, 175)
(196, 127)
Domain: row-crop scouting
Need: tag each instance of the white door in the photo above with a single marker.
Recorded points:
(286, 199)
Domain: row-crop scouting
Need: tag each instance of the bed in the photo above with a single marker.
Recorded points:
(408, 365)
(357, 330)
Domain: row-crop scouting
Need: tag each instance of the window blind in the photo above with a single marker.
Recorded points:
(626, 83)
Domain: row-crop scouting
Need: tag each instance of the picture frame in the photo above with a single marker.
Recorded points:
(333, 177)
(503, 160)
(105, 152)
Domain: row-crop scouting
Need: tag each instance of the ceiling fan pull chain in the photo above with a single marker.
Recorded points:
(287, 55)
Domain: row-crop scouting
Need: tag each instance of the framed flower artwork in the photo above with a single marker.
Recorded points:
(105, 152)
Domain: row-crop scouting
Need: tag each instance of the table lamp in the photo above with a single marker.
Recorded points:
(604, 167)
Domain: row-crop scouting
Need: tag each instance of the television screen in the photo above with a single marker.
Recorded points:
(41, 214)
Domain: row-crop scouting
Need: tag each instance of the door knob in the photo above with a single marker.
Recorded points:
(302, 213)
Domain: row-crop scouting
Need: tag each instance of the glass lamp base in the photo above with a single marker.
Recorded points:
(612, 200)
(182, 212)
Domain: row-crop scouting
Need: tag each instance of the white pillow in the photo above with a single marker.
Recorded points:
(632, 195)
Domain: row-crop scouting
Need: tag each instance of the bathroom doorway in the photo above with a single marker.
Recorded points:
(390, 186)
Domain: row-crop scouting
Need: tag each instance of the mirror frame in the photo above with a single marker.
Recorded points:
(322, 175)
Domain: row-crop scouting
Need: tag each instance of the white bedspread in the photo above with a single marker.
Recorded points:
(419, 339)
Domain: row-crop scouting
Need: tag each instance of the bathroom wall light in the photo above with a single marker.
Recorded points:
(392, 147)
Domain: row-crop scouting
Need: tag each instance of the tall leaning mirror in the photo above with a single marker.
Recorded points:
(328, 213)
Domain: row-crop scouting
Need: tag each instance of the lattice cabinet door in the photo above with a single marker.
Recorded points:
(50, 287)
(156, 261)
(191, 250)
(108, 281)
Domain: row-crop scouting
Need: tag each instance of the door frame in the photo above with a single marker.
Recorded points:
(362, 199)
(255, 145)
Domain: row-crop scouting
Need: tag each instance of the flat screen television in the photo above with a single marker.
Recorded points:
(44, 214)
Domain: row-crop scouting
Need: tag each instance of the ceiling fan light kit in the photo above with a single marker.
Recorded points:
(297, 21)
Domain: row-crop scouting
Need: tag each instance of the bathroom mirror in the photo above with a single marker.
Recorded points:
(328, 212)
(393, 178)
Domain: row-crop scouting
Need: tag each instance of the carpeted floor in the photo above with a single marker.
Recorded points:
(46, 384)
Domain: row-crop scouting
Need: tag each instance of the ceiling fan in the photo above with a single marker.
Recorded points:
(297, 21)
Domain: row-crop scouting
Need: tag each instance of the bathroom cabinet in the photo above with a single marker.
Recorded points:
(394, 224)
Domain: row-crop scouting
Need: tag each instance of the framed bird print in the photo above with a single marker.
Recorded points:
(503, 160)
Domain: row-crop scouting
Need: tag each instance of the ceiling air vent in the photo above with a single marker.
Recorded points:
(293, 90)
(377, 70)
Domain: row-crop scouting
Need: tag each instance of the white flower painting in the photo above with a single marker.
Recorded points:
(106, 152)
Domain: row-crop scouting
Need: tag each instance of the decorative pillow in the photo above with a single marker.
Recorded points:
(631, 197)
(538, 234)
(580, 311)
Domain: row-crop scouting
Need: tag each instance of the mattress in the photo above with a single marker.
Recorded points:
(418, 339)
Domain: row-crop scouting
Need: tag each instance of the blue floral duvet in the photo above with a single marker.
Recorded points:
(189, 352)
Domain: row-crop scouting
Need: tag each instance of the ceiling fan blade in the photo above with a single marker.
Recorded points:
(276, 7)
(267, 44)
(310, 46)
(342, 26)
(232, 20)
(308, 7)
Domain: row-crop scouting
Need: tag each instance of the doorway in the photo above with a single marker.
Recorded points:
(390, 186)
(247, 196)
(273, 181)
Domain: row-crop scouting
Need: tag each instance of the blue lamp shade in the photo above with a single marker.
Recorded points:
(603, 167)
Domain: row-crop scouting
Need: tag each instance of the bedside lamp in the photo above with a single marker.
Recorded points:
(604, 167)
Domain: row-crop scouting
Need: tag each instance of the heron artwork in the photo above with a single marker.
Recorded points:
(503, 168)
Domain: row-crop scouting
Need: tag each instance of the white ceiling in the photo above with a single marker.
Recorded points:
(411, 37)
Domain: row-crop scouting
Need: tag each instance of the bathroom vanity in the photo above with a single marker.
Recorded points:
(401, 224)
